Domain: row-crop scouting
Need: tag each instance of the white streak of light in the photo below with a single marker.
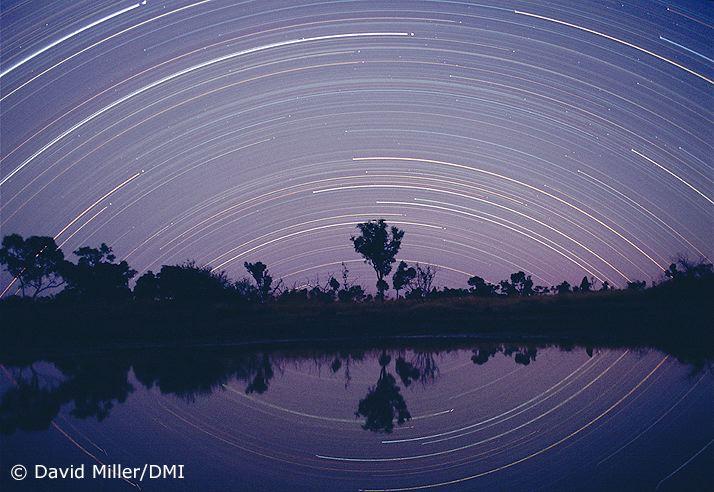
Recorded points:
(66, 37)
(672, 174)
(617, 40)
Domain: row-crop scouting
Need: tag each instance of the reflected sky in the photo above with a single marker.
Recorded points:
(494, 415)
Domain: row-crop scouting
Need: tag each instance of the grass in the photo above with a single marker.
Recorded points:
(667, 314)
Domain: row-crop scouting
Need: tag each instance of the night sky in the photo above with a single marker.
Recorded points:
(556, 137)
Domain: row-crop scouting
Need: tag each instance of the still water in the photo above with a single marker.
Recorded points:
(447, 417)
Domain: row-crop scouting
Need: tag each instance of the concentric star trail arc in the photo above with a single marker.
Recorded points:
(219, 131)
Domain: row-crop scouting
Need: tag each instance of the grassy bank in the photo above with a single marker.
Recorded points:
(668, 314)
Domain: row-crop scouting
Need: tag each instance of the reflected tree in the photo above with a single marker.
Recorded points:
(521, 355)
(406, 371)
(28, 407)
(184, 373)
(482, 354)
(90, 386)
(384, 402)
(94, 385)
(425, 363)
(262, 372)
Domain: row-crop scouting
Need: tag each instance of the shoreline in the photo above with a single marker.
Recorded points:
(672, 317)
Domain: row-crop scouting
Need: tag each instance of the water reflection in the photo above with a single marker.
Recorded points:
(91, 385)
(521, 355)
(384, 402)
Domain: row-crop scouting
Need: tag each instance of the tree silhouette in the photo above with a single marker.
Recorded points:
(259, 272)
(262, 372)
(245, 290)
(190, 283)
(522, 284)
(147, 287)
(407, 372)
(378, 246)
(683, 268)
(383, 402)
(525, 355)
(636, 285)
(354, 294)
(425, 363)
(403, 276)
(346, 283)
(480, 287)
(96, 276)
(422, 284)
(586, 285)
(334, 285)
(521, 355)
(562, 288)
(94, 385)
(541, 289)
(507, 288)
(184, 372)
(321, 294)
(349, 292)
(90, 384)
(672, 272)
(28, 407)
(482, 354)
(36, 262)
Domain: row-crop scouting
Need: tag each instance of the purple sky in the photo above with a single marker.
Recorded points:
(561, 138)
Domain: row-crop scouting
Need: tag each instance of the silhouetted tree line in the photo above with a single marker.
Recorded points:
(39, 266)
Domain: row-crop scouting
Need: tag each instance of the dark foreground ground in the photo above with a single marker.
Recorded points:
(670, 317)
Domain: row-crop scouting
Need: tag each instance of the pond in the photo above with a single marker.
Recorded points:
(434, 416)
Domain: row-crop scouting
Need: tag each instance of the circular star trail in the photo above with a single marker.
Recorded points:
(489, 417)
(559, 139)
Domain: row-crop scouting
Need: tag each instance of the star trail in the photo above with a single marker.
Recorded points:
(559, 138)
(570, 419)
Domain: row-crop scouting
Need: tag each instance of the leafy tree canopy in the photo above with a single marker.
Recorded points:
(378, 244)
(36, 262)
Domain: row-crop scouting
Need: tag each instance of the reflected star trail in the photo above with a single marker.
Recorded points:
(557, 139)
(491, 416)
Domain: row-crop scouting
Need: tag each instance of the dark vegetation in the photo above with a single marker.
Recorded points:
(58, 302)
(91, 383)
